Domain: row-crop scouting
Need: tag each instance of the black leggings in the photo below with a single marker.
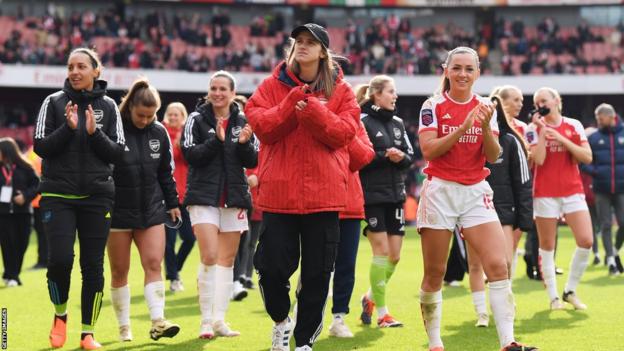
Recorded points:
(91, 218)
(14, 242)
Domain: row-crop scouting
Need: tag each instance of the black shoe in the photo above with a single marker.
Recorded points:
(248, 284)
(514, 346)
(613, 270)
(596, 260)
(618, 264)
(39, 266)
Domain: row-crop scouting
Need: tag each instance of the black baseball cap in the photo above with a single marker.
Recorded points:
(317, 32)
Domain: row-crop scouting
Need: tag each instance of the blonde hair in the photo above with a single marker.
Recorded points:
(505, 90)
(180, 107)
(553, 93)
(324, 80)
(366, 92)
(445, 84)
(141, 93)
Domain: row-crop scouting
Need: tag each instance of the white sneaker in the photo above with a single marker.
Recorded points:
(125, 334)
(281, 335)
(483, 320)
(222, 329)
(339, 329)
(205, 330)
(11, 283)
(303, 348)
(176, 285)
(571, 298)
(556, 305)
(238, 291)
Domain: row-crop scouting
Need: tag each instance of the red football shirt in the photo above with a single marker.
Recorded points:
(464, 163)
(559, 176)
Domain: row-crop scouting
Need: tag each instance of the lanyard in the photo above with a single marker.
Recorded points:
(8, 174)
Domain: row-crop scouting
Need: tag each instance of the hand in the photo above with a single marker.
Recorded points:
(90, 124)
(469, 121)
(553, 135)
(19, 199)
(245, 134)
(220, 129)
(306, 89)
(395, 155)
(301, 105)
(538, 120)
(175, 214)
(484, 115)
(252, 181)
(71, 115)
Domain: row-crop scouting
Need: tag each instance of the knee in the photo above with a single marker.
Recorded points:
(152, 264)
(226, 261)
(586, 243)
(497, 270)
(209, 258)
(475, 268)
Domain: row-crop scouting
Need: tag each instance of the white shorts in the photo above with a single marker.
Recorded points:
(445, 204)
(553, 207)
(230, 219)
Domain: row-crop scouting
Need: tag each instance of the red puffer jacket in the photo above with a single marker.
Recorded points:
(361, 153)
(304, 161)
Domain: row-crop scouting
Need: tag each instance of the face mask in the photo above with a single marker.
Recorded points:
(543, 111)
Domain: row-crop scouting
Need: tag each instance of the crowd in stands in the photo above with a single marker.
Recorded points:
(391, 45)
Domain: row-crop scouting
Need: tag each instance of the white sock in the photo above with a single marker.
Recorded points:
(339, 316)
(478, 300)
(580, 260)
(206, 290)
(223, 291)
(611, 261)
(381, 311)
(503, 309)
(431, 309)
(514, 262)
(155, 296)
(120, 298)
(547, 261)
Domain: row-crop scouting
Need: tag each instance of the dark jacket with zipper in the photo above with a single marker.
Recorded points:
(23, 181)
(144, 184)
(383, 181)
(216, 165)
(510, 179)
(607, 167)
(74, 162)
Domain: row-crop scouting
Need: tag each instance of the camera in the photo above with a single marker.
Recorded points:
(543, 111)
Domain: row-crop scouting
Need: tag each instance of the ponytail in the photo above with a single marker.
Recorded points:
(141, 93)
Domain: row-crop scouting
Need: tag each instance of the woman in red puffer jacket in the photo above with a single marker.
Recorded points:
(305, 115)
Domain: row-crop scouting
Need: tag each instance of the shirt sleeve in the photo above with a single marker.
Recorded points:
(494, 123)
(427, 121)
(579, 130)
(530, 134)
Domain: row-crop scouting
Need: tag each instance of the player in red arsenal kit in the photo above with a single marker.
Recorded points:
(558, 144)
(458, 132)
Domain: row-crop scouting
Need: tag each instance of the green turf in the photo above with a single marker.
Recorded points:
(599, 328)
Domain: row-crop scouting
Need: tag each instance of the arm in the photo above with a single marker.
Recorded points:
(408, 152)
(32, 185)
(50, 140)
(360, 150)
(521, 185)
(198, 152)
(272, 122)
(165, 174)
(581, 153)
(109, 145)
(334, 130)
(248, 152)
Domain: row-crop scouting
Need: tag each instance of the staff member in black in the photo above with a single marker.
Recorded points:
(19, 186)
(144, 191)
(79, 136)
